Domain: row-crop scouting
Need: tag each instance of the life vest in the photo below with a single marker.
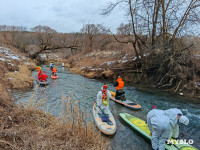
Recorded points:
(54, 70)
(104, 98)
(120, 84)
(38, 68)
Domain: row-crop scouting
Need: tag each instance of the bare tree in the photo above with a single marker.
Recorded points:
(91, 31)
(44, 35)
(135, 39)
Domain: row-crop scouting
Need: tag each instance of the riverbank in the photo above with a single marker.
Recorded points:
(107, 65)
(27, 126)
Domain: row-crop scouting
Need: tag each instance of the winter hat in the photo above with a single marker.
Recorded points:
(44, 72)
(153, 107)
(184, 120)
(105, 87)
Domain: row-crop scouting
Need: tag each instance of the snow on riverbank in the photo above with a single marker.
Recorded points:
(14, 58)
(16, 68)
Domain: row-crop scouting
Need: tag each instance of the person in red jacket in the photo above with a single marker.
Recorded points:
(39, 74)
(44, 76)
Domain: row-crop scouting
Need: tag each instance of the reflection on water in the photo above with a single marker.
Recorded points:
(83, 90)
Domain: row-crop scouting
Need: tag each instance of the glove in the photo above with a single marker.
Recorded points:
(168, 143)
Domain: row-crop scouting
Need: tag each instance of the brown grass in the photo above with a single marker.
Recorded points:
(67, 65)
(21, 79)
(108, 73)
(90, 75)
(31, 128)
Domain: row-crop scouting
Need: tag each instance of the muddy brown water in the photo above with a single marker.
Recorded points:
(82, 89)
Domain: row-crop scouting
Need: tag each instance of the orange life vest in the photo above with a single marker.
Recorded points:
(54, 70)
(120, 84)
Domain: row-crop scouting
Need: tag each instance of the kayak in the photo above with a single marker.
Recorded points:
(104, 126)
(141, 127)
(126, 103)
(43, 83)
(54, 77)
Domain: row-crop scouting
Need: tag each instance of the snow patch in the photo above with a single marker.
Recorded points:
(2, 59)
(12, 57)
(26, 63)
(11, 64)
(43, 56)
(8, 54)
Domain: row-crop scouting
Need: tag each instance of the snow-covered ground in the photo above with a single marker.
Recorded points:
(12, 56)
(8, 54)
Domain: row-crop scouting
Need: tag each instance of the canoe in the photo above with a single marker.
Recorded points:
(54, 77)
(42, 83)
(104, 126)
(141, 127)
(126, 103)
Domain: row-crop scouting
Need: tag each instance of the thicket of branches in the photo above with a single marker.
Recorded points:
(158, 27)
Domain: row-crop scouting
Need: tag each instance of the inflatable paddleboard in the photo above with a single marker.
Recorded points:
(42, 83)
(54, 77)
(126, 103)
(104, 126)
(141, 127)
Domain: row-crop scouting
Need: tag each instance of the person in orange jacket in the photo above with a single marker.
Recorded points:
(44, 76)
(119, 84)
(54, 71)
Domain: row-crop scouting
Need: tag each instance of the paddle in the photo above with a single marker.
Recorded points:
(175, 146)
(107, 118)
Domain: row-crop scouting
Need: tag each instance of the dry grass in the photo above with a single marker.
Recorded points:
(67, 65)
(21, 79)
(108, 73)
(96, 63)
(90, 75)
(31, 128)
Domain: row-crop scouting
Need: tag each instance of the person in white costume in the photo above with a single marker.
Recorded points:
(159, 125)
(103, 98)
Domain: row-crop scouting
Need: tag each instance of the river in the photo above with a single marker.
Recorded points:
(83, 90)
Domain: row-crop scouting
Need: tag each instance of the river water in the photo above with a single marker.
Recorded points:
(85, 90)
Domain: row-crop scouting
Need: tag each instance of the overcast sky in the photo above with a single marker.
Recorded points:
(61, 15)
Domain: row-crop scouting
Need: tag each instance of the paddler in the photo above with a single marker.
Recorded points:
(44, 76)
(54, 71)
(39, 74)
(159, 125)
(51, 65)
(38, 68)
(103, 98)
(119, 84)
